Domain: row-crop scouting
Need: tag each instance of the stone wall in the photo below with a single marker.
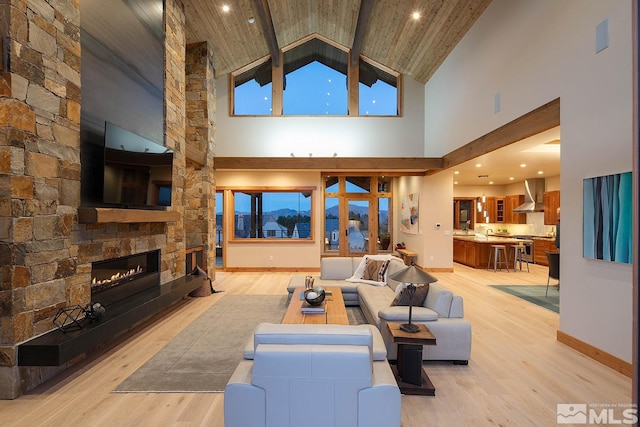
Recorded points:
(200, 209)
(45, 253)
(39, 176)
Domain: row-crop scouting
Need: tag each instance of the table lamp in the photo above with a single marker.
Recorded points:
(413, 276)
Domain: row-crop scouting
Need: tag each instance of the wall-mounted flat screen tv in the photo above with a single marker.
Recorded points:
(137, 171)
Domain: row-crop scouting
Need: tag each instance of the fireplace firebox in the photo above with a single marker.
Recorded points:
(117, 279)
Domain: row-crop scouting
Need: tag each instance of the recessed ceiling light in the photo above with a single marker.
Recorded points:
(511, 178)
(225, 8)
(490, 182)
(456, 172)
(415, 16)
(478, 165)
(252, 20)
(455, 182)
(540, 172)
(523, 165)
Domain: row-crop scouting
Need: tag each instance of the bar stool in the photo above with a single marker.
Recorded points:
(499, 257)
(518, 251)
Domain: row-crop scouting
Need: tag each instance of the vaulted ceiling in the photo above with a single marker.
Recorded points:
(382, 30)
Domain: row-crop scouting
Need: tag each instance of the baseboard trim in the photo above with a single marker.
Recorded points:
(272, 269)
(438, 269)
(595, 353)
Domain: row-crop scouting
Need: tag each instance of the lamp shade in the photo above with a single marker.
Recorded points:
(413, 275)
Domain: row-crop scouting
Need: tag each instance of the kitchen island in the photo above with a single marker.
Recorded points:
(474, 250)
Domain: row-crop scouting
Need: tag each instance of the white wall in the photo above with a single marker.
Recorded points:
(322, 136)
(433, 245)
(531, 52)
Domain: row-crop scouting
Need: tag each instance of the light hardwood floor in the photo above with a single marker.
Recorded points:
(517, 374)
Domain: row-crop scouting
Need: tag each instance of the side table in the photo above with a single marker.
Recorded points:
(411, 378)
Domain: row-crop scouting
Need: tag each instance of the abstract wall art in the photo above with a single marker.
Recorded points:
(607, 218)
(409, 213)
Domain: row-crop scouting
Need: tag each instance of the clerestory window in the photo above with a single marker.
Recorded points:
(313, 81)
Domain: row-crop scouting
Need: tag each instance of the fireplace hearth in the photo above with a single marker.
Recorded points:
(117, 279)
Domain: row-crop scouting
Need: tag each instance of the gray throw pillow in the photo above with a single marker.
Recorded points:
(418, 298)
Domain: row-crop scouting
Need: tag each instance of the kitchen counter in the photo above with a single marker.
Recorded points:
(491, 239)
(474, 250)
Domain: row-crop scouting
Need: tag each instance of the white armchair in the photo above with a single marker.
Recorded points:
(322, 382)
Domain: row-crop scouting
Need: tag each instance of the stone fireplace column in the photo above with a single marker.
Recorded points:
(200, 188)
(39, 177)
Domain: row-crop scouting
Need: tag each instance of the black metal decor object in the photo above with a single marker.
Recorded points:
(68, 318)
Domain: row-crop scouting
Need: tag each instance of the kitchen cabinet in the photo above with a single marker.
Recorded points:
(490, 206)
(551, 205)
(495, 208)
(499, 209)
(511, 202)
(464, 252)
(540, 245)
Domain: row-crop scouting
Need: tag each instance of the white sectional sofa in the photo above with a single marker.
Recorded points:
(442, 311)
(313, 376)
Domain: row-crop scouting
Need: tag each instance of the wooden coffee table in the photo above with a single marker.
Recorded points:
(411, 378)
(335, 312)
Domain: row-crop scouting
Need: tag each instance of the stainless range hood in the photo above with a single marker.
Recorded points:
(533, 196)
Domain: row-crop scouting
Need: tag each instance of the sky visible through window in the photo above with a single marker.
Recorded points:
(316, 90)
(274, 201)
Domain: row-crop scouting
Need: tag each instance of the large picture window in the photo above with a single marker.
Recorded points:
(273, 214)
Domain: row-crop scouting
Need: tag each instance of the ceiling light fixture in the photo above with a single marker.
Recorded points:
(478, 165)
(415, 16)
(226, 8)
(523, 165)
(540, 172)
(252, 20)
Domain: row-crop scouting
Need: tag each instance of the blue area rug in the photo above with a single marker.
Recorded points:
(535, 294)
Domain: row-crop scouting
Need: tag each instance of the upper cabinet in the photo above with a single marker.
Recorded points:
(551, 205)
(495, 209)
(511, 202)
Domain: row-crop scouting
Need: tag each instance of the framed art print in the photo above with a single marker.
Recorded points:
(607, 218)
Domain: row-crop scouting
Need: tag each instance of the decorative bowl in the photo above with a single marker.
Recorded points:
(314, 296)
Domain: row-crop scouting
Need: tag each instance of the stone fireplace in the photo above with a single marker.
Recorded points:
(117, 279)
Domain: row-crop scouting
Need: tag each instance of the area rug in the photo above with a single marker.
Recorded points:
(534, 294)
(203, 356)
(356, 316)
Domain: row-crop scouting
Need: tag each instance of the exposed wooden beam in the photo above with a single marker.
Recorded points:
(532, 123)
(361, 28)
(269, 33)
(405, 165)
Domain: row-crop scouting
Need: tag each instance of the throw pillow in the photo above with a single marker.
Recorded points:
(418, 298)
(375, 270)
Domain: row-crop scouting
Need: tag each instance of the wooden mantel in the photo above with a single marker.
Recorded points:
(104, 215)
